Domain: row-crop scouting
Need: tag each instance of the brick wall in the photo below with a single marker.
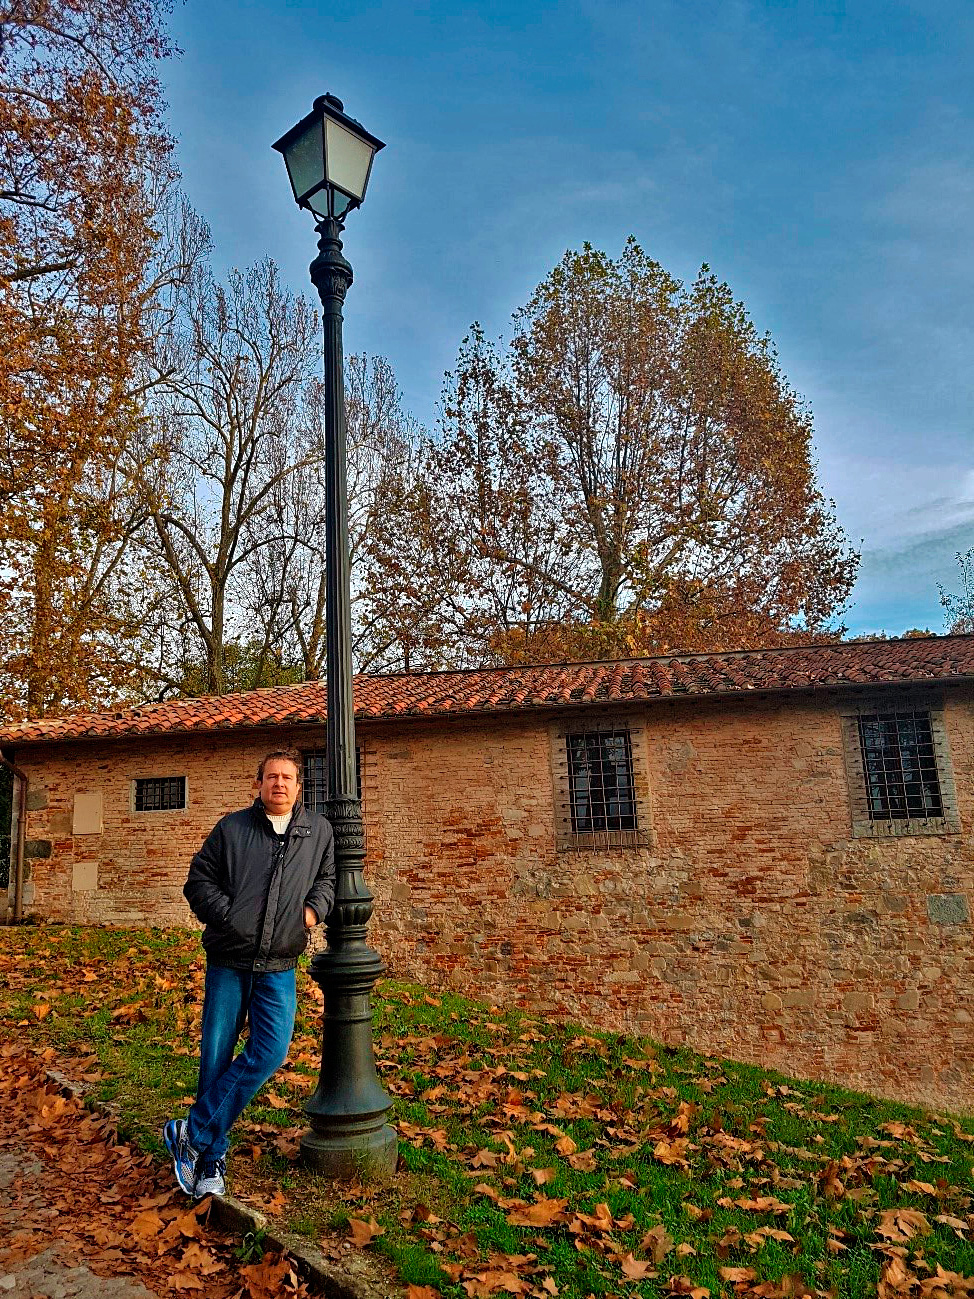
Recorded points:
(133, 872)
(752, 925)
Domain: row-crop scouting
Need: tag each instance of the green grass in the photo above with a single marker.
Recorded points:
(705, 1164)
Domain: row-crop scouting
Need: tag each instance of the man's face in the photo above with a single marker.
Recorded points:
(279, 788)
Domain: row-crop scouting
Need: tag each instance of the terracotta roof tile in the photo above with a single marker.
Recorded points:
(498, 690)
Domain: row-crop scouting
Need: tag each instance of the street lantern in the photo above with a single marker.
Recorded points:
(329, 158)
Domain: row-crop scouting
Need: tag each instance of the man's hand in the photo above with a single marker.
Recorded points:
(310, 917)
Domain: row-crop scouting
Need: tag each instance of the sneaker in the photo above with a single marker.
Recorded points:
(211, 1178)
(184, 1158)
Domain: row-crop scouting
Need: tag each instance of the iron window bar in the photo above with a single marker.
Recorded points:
(601, 786)
(160, 794)
(900, 766)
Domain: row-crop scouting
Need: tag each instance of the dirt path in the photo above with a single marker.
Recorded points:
(85, 1217)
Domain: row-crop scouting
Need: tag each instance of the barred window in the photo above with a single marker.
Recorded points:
(897, 758)
(160, 794)
(900, 766)
(602, 794)
(314, 778)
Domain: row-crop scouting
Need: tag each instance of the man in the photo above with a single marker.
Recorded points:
(262, 879)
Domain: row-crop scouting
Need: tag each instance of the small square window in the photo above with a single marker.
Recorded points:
(899, 770)
(160, 794)
(314, 779)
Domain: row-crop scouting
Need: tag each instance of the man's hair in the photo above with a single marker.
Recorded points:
(292, 755)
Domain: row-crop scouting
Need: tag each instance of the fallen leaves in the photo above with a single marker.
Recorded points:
(116, 1206)
(570, 1170)
(755, 1204)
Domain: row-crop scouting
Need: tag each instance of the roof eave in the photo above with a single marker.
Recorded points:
(535, 706)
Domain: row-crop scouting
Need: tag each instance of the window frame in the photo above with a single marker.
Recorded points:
(866, 826)
(155, 811)
(566, 837)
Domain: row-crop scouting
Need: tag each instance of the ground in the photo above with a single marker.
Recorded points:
(537, 1160)
(83, 1216)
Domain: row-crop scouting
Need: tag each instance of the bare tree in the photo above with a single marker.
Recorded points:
(959, 605)
(227, 429)
(383, 442)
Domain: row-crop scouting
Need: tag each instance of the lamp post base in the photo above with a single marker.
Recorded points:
(348, 1157)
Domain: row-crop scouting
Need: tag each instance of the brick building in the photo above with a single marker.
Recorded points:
(768, 855)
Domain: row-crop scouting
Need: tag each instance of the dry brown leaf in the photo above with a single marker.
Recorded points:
(185, 1281)
(267, 1279)
(958, 1224)
(636, 1268)
(583, 1161)
(188, 1224)
(759, 1204)
(147, 1225)
(672, 1152)
(198, 1260)
(899, 1225)
(920, 1188)
(421, 1292)
(657, 1243)
(542, 1176)
(543, 1213)
(682, 1285)
(601, 1219)
(363, 1232)
(734, 1274)
(485, 1159)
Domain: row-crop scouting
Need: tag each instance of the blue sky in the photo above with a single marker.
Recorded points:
(818, 154)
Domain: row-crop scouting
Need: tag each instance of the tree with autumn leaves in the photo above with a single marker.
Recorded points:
(84, 168)
(632, 475)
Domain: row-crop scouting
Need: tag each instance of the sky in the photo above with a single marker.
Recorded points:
(817, 154)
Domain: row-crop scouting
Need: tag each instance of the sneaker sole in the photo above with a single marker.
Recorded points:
(171, 1142)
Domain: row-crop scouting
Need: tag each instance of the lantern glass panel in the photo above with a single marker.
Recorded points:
(318, 203)
(305, 160)
(349, 157)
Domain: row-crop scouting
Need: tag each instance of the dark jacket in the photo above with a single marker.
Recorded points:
(250, 888)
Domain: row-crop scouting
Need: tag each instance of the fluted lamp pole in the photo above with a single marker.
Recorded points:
(329, 158)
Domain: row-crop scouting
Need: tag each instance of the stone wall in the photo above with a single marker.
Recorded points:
(752, 924)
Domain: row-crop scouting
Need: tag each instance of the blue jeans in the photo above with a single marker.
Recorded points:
(229, 1083)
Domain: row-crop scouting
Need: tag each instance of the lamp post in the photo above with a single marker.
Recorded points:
(329, 157)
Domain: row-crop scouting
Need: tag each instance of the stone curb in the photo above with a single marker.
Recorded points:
(347, 1282)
